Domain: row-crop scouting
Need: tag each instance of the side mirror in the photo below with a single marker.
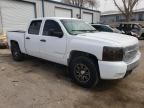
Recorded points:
(55, 33)
(58, 34)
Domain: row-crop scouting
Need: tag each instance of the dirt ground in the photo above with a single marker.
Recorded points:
(36, 83)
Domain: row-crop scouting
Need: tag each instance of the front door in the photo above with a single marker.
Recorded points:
(53, 42)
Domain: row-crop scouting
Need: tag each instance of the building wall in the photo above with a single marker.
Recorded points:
(0, 22)
(51, 6)
(15, 13)
(108, 19)
(96, 15)
(38, 6)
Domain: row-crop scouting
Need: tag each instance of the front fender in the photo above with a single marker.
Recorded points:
(87, 47)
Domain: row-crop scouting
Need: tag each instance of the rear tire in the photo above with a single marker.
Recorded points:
(84, 72)
(16, 52)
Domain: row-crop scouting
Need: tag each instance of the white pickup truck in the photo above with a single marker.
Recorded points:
(90, 55)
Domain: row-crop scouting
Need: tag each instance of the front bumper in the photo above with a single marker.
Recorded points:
(117, 70)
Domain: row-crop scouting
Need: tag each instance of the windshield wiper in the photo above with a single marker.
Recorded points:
(83, 30)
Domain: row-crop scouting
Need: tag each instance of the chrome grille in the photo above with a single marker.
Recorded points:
(131, 52)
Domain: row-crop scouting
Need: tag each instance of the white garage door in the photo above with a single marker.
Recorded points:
(16, 14)
(0, 22)
(87, 17)
(60, 12)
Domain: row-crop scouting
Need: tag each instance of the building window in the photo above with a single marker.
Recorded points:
(117, 18)
(140, 17)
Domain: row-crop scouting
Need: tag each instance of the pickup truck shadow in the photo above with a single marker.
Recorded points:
(61, 73)
(106, 85)
(57, 69)
(46, 69)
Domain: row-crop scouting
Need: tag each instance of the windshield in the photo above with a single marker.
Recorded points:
(106, 28)
(75, 27)
(103, 28)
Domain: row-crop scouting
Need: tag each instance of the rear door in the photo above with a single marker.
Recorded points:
(52, 46)
(32, 38)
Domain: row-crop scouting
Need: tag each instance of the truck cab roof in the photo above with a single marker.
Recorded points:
(55, 18)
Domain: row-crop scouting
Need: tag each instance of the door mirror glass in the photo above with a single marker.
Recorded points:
(53, 32)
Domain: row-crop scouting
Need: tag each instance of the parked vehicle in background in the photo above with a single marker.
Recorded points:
(134, 29)
(90, 55)
(105, 28)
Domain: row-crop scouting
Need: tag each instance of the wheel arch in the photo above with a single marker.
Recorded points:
(14, 42)
(76, 53)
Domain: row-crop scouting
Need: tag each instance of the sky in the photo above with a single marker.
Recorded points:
(108, 5)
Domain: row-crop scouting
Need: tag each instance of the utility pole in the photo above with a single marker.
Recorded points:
(43, 10)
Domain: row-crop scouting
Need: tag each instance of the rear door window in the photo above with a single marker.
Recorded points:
(34, 27)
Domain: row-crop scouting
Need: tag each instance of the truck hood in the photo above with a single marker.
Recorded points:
(110, 38)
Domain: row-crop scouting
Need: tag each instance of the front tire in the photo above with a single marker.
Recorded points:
(16, 52)
(84, 72)
(142, 37)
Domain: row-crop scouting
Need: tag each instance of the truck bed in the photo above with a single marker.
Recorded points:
(20, 31)
(17, 36)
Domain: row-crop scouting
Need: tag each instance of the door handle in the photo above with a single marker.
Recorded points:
(43, 40)
(27, 37)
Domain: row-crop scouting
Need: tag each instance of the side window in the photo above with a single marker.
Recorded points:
(34, 27)
(100, 28)
(52, 28)
(136, 26)
(120, 27)
(96, 27)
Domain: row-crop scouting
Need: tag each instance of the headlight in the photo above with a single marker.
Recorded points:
(113, 54)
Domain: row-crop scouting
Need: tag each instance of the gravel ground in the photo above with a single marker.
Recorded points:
(36, 83)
